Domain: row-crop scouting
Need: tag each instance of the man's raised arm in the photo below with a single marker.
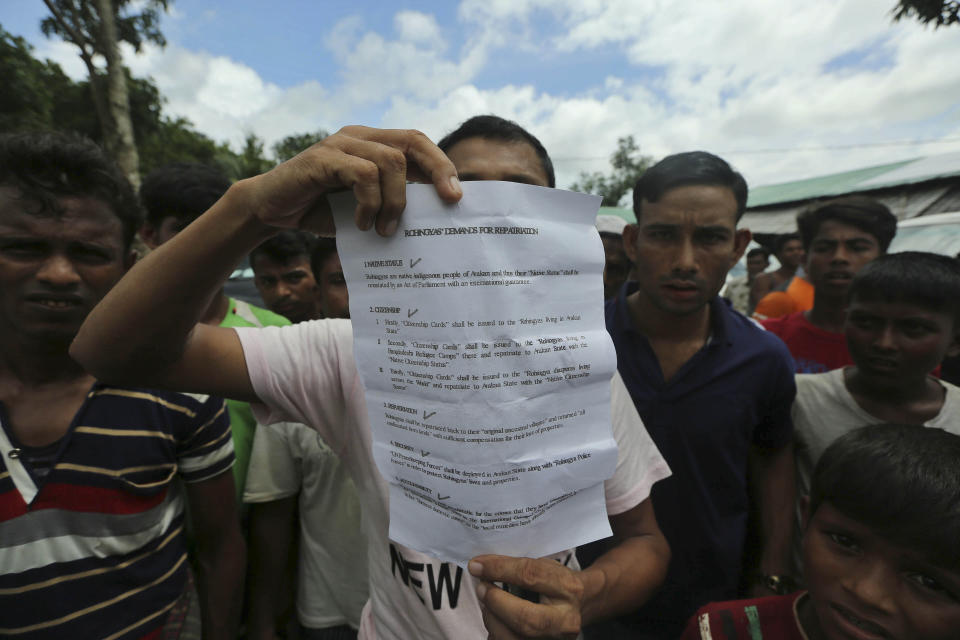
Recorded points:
(145, 331)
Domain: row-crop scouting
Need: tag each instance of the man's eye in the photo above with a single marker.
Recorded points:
(92, 256)
(931, 585)
(863, 323)
(914, 329)
(22, 250)
(844, 541)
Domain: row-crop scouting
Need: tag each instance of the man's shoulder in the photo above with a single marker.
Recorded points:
(784, 324)
(244, 314)
(184, 403)
(753, 335)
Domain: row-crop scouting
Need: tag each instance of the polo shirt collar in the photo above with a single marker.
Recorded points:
(719, 311)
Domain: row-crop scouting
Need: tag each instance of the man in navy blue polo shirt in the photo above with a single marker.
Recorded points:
(714, 390)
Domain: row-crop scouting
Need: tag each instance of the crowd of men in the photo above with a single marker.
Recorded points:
(790, 475)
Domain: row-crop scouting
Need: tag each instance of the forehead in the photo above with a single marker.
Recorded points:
(331, 263)
(263, 263)
(483, 159)
(80, 218)
(896, 308)
(692, 205)
(836, 230)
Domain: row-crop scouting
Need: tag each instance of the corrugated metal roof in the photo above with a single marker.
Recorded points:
(869, 178)
(626, 214)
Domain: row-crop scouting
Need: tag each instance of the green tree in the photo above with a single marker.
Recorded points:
(38, 95)
(628, 165)
(31, 87)
(250, 162)
(96, 28)
(940, 12)
(294, 144)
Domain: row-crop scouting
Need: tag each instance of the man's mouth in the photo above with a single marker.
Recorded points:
(838, 276)
(59, 302)
(867, 628)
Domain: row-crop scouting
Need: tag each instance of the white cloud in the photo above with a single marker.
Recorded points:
(737, 75)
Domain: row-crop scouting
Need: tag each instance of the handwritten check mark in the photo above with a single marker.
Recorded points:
(429, 415)
(440, 497)
(411, 313)
(414, 263)
(424, 453)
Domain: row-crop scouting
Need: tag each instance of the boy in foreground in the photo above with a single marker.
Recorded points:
(879, 548)
(901, 322)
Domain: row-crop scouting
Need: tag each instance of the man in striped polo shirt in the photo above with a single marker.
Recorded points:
(92, 510)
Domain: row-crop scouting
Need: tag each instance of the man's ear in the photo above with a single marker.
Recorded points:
(148, 233)
(954, 349)
(741, 240)
(630, 233)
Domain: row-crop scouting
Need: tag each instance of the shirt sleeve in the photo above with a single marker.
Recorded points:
(206, 450)
(303, 373)
(274, 471)
(775, 428)
(639, 463)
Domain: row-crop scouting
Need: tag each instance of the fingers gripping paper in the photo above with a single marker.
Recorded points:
(480, 339)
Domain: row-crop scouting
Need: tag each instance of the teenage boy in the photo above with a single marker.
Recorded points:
(92, 510)
(880, 547)
(738, 289)
(839, 236)
(174, 196)
(306, 372)
(713, 389)
(788, 249)
(903, 318)
(283, 277)
(293, 471)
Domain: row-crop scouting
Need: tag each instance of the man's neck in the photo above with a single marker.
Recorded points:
(902, 401)
(23, 366)
(657, 324)
(216, 310)
(787, 272)
(827, 313)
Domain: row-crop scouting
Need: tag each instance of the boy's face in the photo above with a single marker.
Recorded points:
(837, 253)
(866, 588)
(334, 298)
(895, 341)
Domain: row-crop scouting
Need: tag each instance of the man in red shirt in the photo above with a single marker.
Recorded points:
(839, 237)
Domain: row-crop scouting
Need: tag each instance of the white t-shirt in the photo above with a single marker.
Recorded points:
(306, 373)
(824, 410)
(290, 458)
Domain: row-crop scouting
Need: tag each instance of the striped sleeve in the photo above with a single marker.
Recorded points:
(205, 448)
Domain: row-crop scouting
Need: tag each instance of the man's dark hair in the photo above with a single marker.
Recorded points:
(44, 166)
(286, 246)
(490, 127)
(861, 212)
(758, 251)
(322, 250)
(929, 280)
(692, 168)
(181, 190)
(902, 481)
(781, 241)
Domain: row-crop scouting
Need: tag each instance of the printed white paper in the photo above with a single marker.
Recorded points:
(479, 336)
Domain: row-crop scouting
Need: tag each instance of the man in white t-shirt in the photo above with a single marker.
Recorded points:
(902, 320)
(306, 373)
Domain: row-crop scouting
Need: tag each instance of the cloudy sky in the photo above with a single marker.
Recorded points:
(784, 90)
